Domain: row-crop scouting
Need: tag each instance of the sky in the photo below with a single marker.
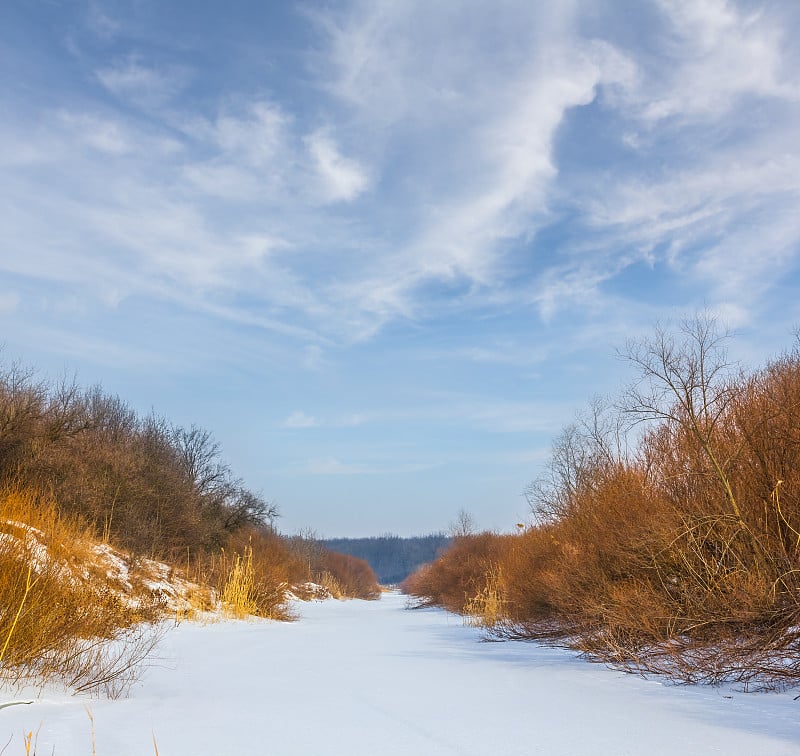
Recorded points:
(385, 251)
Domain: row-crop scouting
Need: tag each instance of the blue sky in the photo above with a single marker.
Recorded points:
(384, 251)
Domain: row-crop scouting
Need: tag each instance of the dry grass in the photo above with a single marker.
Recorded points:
(487, 608)
(198, 602)
(60, 621)
(330, 584)
(250, 577)
(238, 593)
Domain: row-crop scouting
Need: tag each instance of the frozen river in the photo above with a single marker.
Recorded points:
(374, 679)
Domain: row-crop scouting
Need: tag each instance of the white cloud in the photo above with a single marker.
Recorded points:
(342, 179)
(700, 215)
(9, 302)
(101, 22)
(485, 118)
(508, 197)
(717, 53)
(334, 466)
(353, 420)
(105, 135)
(708, 112)
(248, 153)
(300, 419)
(487, 184)
(258, 134)
(133, 81)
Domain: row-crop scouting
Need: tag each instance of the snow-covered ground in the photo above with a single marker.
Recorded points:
(375, 679)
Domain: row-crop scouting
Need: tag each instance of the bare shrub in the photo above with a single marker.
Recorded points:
(144, 485)
(111, 668)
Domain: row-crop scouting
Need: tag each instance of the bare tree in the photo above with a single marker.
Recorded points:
(244, 507)
(685, 380)
(596, 440)
(463, 525)
(67, 414)
(200, 457)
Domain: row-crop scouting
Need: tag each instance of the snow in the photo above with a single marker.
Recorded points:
(372, 678)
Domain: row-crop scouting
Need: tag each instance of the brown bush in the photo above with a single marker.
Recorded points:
(460, 574)
(677, 554)
(353, 577)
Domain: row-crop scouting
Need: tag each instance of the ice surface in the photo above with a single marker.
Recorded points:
(374, 679)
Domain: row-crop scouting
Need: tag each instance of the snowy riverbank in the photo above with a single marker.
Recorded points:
(372, 678)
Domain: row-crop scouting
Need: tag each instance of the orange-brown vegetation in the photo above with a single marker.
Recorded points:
(341, 575)
(352, 577)
(250, 575)
(672, 545)
(460, 574)
(57, 613)
(81, 471)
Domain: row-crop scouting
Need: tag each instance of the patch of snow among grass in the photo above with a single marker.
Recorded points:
(364, 678)
(115, 565)
(29, 540)
(308, 591)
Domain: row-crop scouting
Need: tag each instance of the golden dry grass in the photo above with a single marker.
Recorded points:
(238, 593)
(58, 616)
(487, 608)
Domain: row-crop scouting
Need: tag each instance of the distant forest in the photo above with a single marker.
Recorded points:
(391, 557)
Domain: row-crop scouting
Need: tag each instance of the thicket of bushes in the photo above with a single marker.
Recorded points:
(88, 468)
(668, 533)
(152, 488)
(343, 575)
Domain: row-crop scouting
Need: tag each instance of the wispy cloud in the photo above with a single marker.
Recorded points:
(492, 127)
(106, 135)
(719, 53)
(9, 301)
(334, 466)
(100, 21)
(300, 419)
(342, 179)
(134, 81)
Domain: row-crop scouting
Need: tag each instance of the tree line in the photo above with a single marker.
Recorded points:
(391, 557)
